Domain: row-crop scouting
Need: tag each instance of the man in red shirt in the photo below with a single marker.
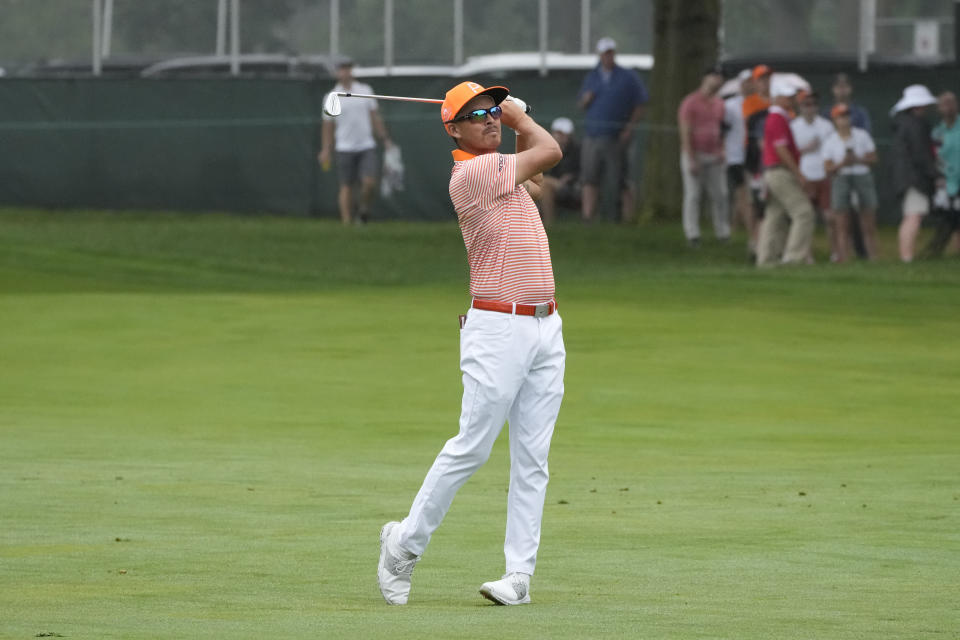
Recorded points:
(511, 348)
(700, 120)
(788, 219)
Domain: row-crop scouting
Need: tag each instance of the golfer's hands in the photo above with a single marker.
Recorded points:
(513, 114)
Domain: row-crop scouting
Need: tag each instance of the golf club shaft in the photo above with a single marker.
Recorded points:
(398, 98)
(344, 94)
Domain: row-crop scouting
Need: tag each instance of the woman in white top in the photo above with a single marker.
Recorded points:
(847, 156)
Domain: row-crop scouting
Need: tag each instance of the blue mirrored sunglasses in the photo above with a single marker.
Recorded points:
(480, 115)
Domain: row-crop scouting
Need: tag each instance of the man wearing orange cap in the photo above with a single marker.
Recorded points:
(511, 344)
(755, 106)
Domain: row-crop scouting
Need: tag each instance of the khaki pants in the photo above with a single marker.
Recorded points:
(712, 177)
(788, 220)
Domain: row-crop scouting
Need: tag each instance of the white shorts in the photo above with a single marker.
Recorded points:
(915, 203)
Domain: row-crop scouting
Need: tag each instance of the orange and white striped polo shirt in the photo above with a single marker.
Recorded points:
(506, 244)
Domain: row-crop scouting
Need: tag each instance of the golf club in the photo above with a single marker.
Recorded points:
(331, 104)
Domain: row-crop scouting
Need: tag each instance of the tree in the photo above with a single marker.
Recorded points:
(685, 42)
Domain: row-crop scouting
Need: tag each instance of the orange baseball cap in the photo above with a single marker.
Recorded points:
(464, 93)
(840, 109)
(761, 70)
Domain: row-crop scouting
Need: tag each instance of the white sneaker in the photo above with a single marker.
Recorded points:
(513, 588)
(395, 568)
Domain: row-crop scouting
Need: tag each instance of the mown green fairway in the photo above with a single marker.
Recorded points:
(204, 421)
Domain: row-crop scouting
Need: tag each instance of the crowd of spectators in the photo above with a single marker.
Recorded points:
(762, 147)
(787, 159)
(768, 155)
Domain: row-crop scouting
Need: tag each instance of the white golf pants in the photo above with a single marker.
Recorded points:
(512, 370)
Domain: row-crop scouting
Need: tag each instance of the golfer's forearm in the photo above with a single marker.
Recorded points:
(523, 142)
(533, 135)
(542, 150)
(533, 184)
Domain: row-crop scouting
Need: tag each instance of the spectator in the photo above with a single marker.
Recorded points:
(843, 94)
(700, 120)
(734, 147)
(755, 106)
(561, 184)
(613, 98)
(946, 136)
(356, 149)
(848, 154)
(787, 226)
(810, 131)
(860, 118)
(914, 166)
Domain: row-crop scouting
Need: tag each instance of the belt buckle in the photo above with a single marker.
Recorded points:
(541, 310)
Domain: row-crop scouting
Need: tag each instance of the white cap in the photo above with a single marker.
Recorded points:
(563, 125)
(781, 87)
(916, 95)
(606, 44)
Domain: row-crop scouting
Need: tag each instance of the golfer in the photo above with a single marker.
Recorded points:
(511, 347)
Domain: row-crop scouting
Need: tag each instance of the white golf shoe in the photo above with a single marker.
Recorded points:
(395, 568)
(513, 588)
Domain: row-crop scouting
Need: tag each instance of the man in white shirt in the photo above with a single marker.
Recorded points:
(810, 131)
(356, 148)
(847, 155)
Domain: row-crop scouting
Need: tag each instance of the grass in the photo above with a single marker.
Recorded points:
(204, 420)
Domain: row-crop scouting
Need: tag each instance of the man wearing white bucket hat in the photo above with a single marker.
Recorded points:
(914, 165)
(788, 219)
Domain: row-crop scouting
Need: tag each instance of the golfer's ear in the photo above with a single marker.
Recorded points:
(452, 130)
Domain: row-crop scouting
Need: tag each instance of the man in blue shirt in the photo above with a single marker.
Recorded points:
(842, 93)
(613, 98)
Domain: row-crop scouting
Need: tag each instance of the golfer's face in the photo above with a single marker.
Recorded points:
(484, 134)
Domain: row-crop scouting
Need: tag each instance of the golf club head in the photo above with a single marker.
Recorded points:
(331, 104)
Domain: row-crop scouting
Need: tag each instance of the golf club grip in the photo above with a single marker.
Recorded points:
(526, 106)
